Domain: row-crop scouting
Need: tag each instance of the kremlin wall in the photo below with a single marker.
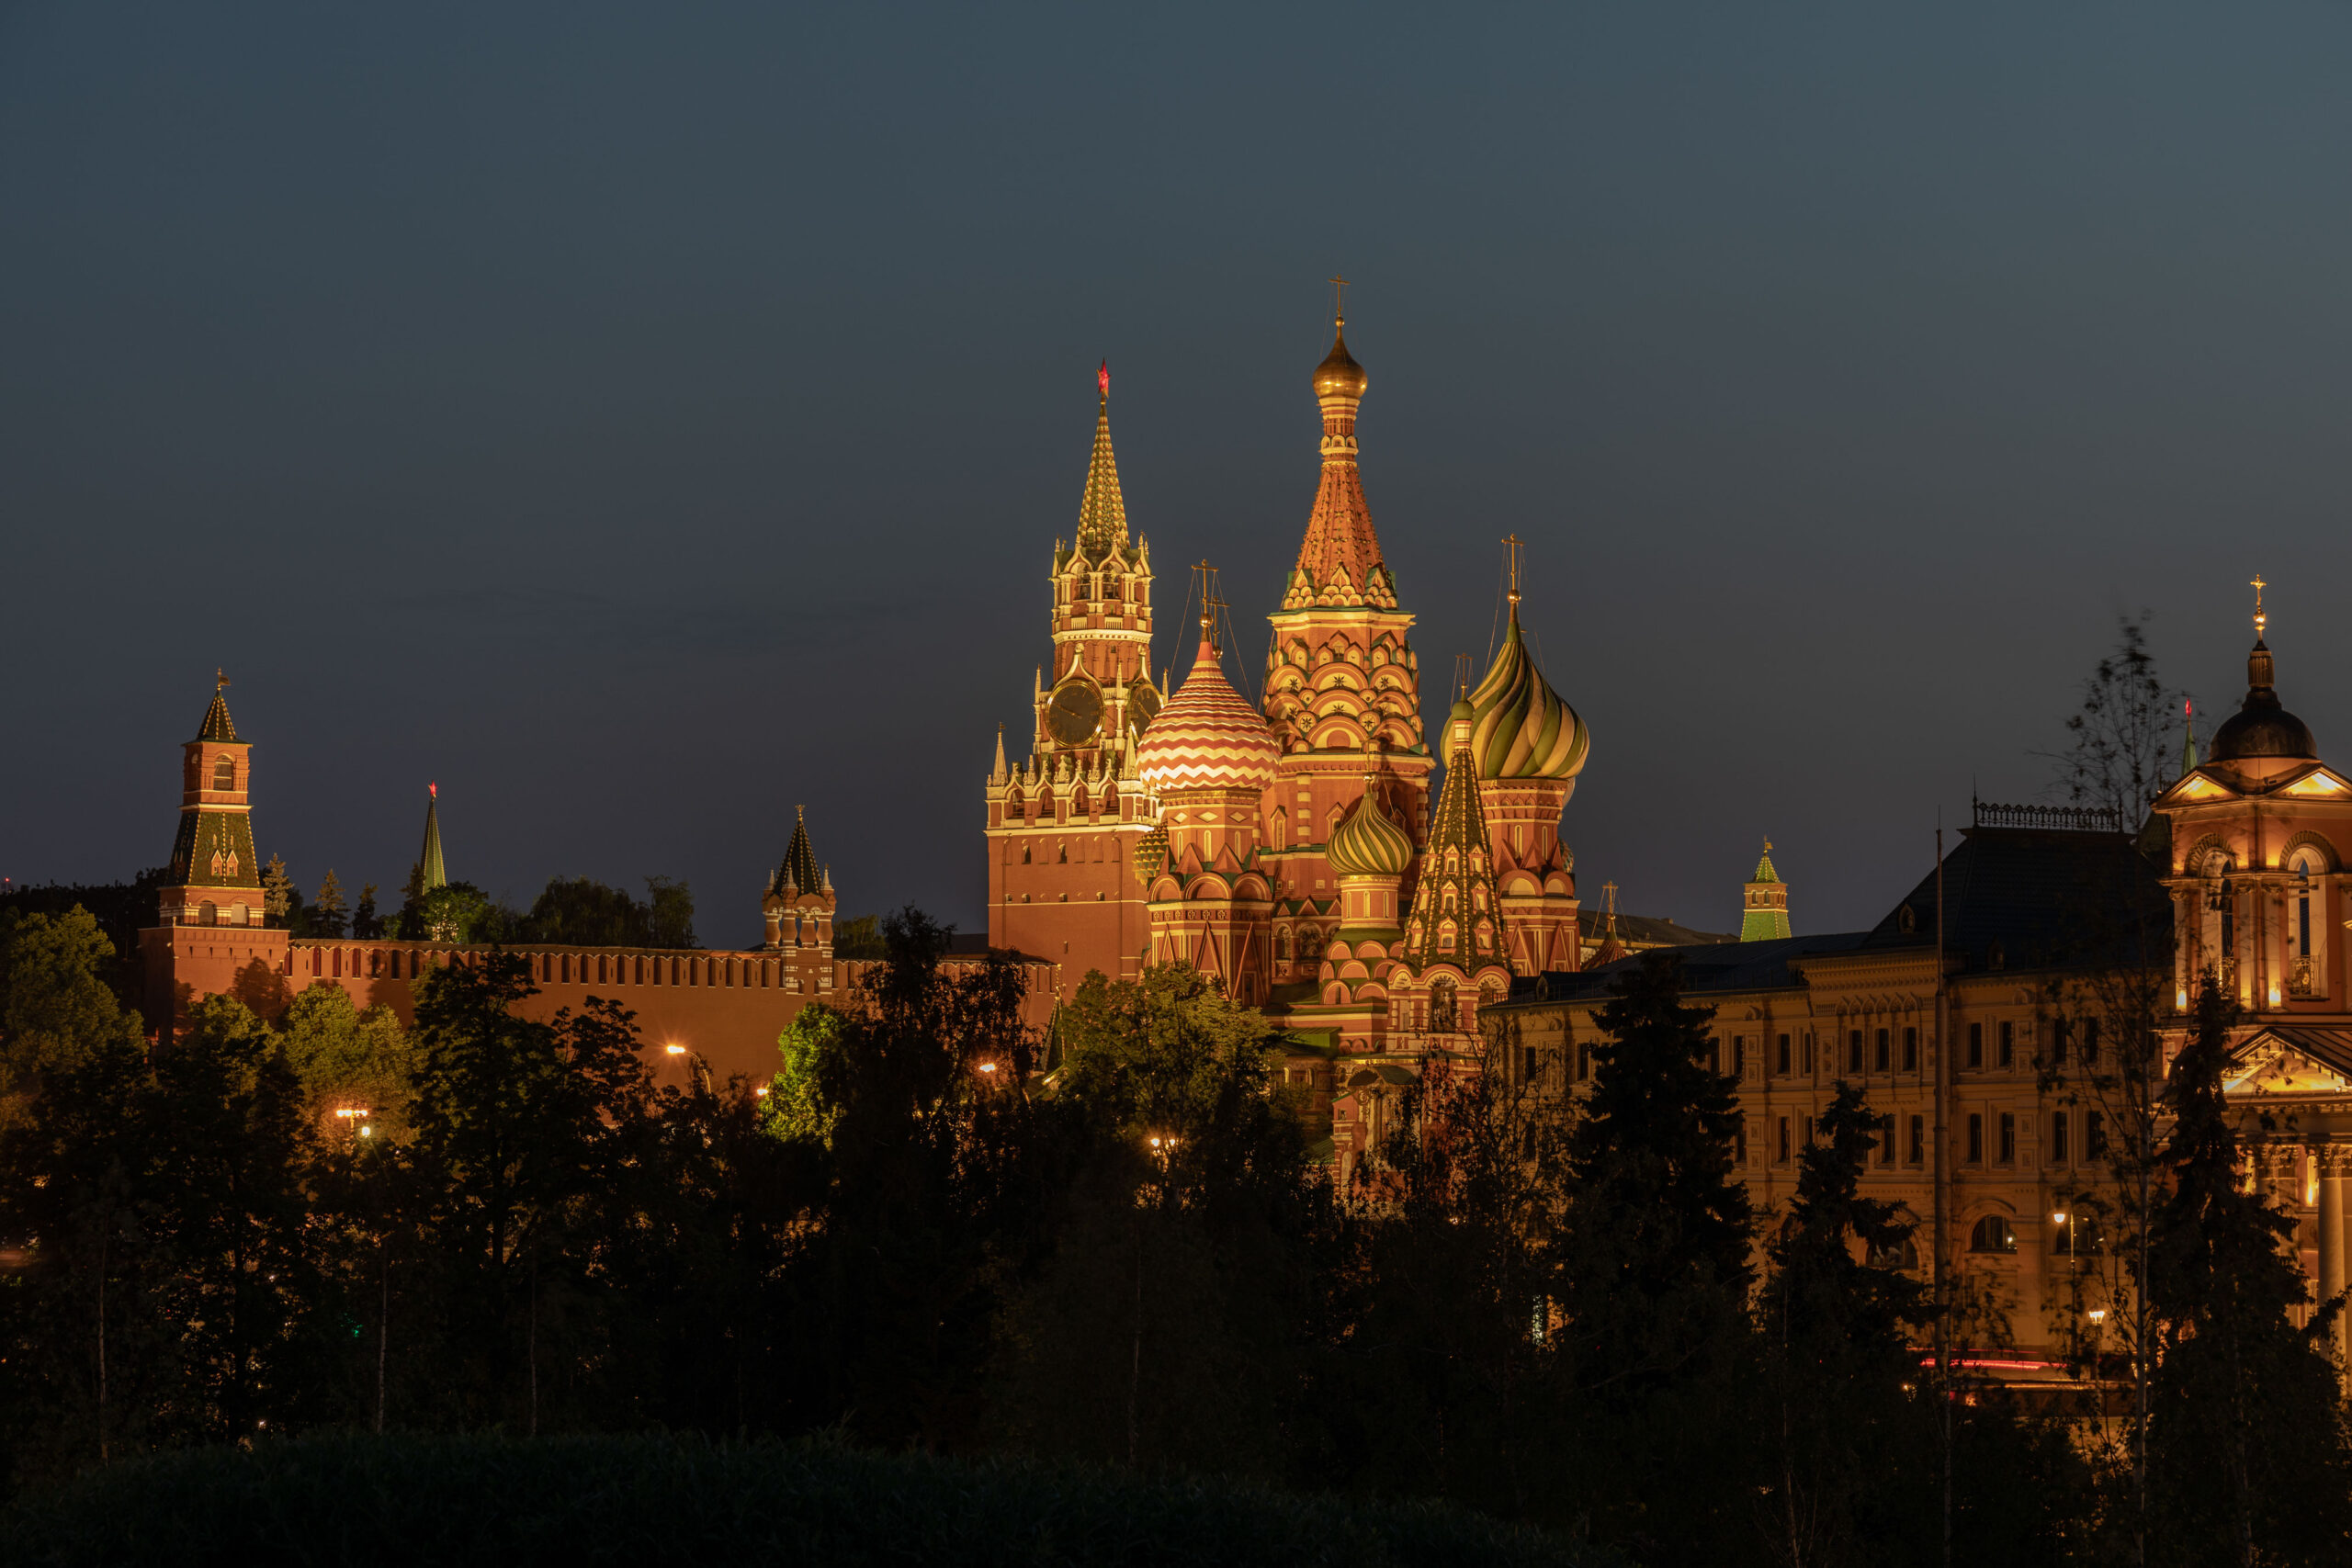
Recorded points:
(1288, 846)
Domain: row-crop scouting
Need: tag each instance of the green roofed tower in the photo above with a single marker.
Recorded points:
(215, 878)
(1765, 917)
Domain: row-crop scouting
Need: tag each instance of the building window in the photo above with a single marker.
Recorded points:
(2089, 1052)
(224, 773)
(2077, 1236)
(1584, 1060)
(2094, 1134)
(2008, 1138)
(2058, 1129)
(1911, 1050)
(1739, 1055)
(1886, 1053)
(1808, 1053)
(1993, 1233)
(1784, 1056)
(1918, 1140)
(1783, 1157)
(1975, 1045)
(1854, 1051)
(1886, 1140)
(1739, 1142)
(1975, 1138)
(1714, 1054)
(2008, 1043)
(1443, 1011)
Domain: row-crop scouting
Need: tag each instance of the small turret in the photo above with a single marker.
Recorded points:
(1765, 916)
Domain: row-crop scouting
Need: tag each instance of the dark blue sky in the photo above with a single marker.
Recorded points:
(642, 419)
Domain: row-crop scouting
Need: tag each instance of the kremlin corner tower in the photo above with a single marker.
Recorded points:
(1286, 848)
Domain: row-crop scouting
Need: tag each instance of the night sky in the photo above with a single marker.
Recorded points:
(640, 420)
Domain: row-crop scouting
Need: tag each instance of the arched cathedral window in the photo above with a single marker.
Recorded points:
(224, 773)
(1444, 1012)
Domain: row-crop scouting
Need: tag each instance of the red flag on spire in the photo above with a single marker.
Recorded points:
(1103, 378)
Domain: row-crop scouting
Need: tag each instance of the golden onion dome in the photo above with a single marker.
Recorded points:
(1339, 376)
(1208, 737)
(1368, 841)
(1519, 728)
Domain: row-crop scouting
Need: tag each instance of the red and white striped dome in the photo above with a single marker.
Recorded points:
(1208, 737)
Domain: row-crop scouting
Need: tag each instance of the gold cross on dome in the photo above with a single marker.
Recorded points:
(1339, 300)
(1516, 543)
(2260, 620)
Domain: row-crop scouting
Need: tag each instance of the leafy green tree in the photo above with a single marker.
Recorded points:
(859, 937)
(56, 1005)
(2248, 1457)
(576, 911)
(326, 910)
(670, 912)
(344, 1059)
(1167, 1323)
(459, 912)
(1654, 1273)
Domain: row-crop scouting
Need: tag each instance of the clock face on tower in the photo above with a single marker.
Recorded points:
(1074, 714)
(1142, 708)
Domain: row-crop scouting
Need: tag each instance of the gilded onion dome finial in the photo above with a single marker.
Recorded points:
(1339, 376)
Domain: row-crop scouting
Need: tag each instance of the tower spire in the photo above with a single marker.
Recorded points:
(436, 873)
(1340, 560)
(2187, 736)
(1102, 511)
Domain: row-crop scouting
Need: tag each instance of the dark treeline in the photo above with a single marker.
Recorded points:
(921, 1234)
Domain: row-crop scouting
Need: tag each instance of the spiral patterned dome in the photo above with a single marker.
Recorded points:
(1208, 737)
(1519, 728)
(1368, 841)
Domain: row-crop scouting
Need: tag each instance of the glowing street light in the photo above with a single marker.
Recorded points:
(675, 1050)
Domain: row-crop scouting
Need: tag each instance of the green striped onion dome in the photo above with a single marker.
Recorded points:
(1368, 841)
(1519, 728)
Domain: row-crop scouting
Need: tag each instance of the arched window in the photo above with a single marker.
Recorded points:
(1445, 936)
(1993, 1233)
(224, 773)
(1282, 944)
(1079, 802)
(1444, 1014)
(1063, 858)
(1026, 851)
(2307, 925)
(1278, 831)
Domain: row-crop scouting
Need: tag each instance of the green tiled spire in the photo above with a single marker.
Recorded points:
(217, 724)
(1455, 915)
(801, 866)
(1102, 513)
(435, 873)
(1765, 916)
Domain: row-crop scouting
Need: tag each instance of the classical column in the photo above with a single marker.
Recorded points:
(2332, 1160)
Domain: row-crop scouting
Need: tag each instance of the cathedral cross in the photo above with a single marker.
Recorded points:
(1516, 543)
(2260, 620)
(1339, 300)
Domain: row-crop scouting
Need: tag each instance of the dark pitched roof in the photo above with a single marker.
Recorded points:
(217, 724)
(2034, 898)
(2017, 898)
(1707, 966)
(1645, 930)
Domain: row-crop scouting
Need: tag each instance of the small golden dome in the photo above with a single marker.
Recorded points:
(1339, 376)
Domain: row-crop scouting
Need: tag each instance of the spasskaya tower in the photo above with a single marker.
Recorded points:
(1064, 819)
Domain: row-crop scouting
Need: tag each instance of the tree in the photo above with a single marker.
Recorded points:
(1837, 1335)
(364, 923)
(279, 899)
(459, 912)
(670, 912)
(858, 937)
(56, 1007)
(2247, 1447)
(326, 909)
(1167, 1323)
(1654, 1273)
(2122, 745)
(344, 1059)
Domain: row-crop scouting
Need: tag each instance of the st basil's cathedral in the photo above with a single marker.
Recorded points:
(1287, 847)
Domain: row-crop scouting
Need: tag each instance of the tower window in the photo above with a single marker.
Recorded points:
(224, 773)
